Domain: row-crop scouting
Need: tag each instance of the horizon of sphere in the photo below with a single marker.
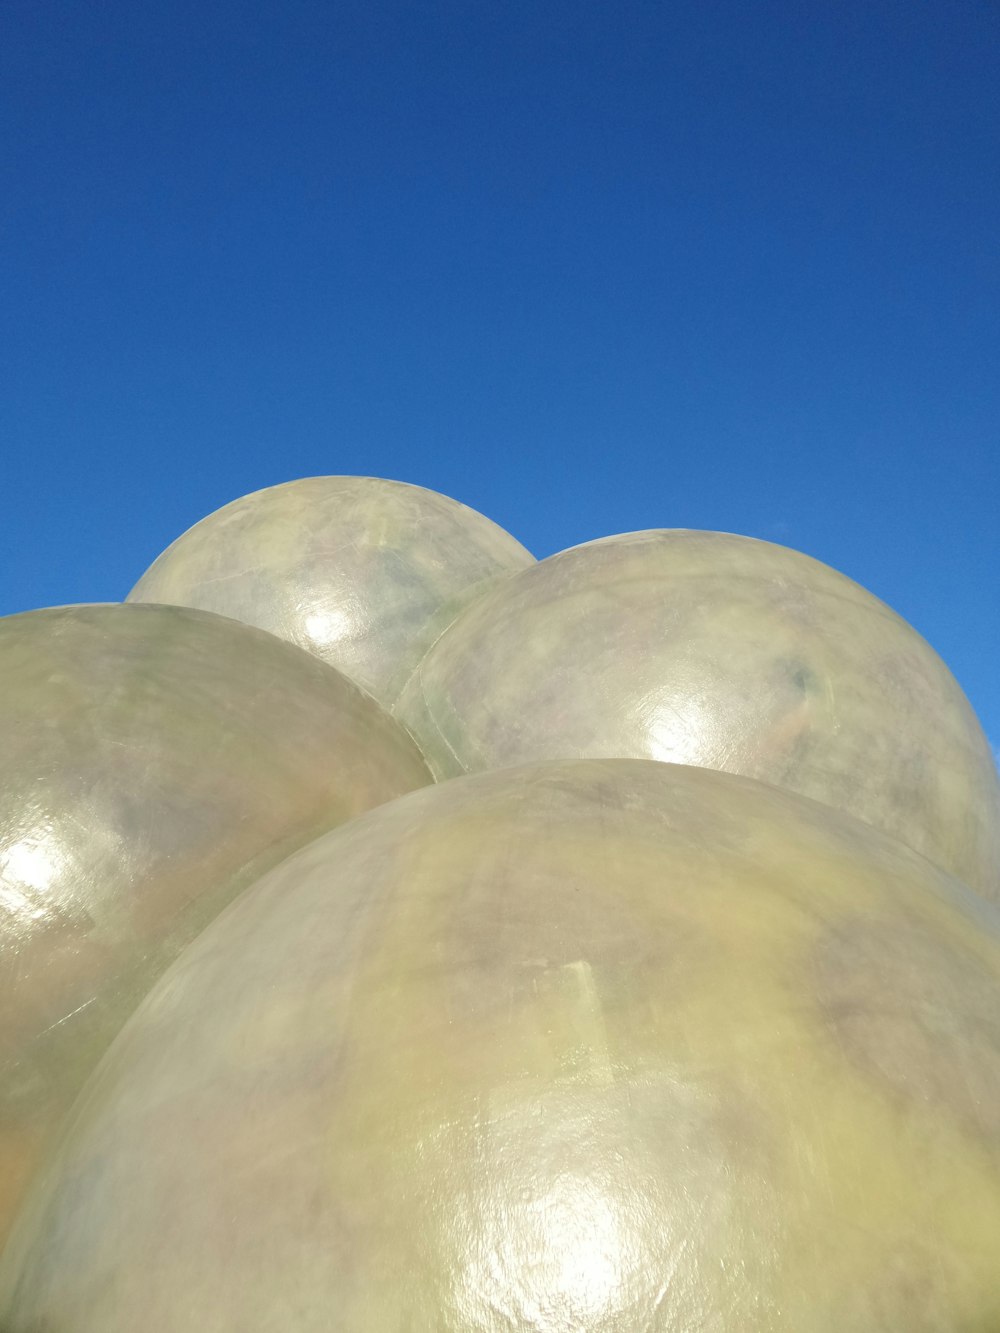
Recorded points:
(724, 652)
(601, 1045)
(361, 571)
(157, 759)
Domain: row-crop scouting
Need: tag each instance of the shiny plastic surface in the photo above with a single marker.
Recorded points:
(594, 1047)
(155, 760)
(724, 652)
(362, 572)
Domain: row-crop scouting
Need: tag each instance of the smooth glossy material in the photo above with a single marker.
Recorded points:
(362, 572)
(155, 760)
(725, 652)
(595, 1047)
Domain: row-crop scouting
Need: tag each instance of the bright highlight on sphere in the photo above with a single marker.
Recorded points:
(600, 1045)
(155, 761)
(364, 573)
(723, 652)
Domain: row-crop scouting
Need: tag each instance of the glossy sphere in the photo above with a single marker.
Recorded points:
(724, 652)
(155, 760)
(362, 572)
(580, 1048)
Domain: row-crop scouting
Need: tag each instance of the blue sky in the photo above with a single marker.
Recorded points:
(587, 267)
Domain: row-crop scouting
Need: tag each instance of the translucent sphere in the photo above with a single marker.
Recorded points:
(720, 651)
(155, 760)
(598, 1046)
(362, 572)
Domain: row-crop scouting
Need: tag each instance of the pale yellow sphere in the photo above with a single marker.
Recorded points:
(155, 761)
(721, 651)
(363, 572)
(601, 1046)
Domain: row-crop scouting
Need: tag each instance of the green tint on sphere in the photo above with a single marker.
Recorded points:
(155, 761)
(362, 572)
(593, 1047)
(724, 652)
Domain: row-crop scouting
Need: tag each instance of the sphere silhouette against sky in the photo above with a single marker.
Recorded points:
(602, 1045)
(156, 759)
(725, 652)
(363, 572)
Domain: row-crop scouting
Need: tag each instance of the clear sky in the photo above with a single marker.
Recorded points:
(588, 267)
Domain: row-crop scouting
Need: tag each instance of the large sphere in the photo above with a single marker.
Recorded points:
(725, 652)
(155, 760)
(362, 572)
(598, 1046)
